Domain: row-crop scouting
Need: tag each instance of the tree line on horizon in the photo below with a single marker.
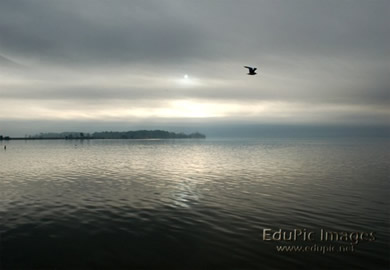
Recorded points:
(6, 138)
(139, 134)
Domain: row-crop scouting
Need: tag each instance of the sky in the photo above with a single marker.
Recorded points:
(96, 65)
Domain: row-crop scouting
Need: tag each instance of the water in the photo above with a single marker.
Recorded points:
(130, 204)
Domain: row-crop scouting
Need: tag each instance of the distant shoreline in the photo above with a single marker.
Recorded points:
(129, 135)
(34, 139)
(80, 139)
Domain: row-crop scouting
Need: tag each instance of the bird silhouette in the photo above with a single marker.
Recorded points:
(251, 70)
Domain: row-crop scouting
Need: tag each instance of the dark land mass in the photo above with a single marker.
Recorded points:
(139, 134)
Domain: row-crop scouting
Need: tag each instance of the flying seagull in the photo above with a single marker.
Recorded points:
(251, 70)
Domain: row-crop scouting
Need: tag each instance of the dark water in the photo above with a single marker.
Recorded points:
(191, 204)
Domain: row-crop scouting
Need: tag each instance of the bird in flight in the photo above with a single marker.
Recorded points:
(252, 71)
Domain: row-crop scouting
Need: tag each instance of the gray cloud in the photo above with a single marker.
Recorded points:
(94, 31)
(176, 30)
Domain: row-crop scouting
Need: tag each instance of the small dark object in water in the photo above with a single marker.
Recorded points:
(5, 147)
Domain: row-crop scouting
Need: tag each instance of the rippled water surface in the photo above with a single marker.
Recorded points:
(191, 203)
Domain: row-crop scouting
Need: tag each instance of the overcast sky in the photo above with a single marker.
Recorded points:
(96, 61)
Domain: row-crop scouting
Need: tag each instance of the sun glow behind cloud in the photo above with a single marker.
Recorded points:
(119, 110)
(188, 82)
(182, 108)
(126, 94)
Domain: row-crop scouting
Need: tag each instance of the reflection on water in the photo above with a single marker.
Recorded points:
(188, 203)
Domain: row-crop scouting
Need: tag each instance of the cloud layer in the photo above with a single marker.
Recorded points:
(120, 60)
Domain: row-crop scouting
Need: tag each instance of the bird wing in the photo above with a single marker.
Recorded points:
(251, 69)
